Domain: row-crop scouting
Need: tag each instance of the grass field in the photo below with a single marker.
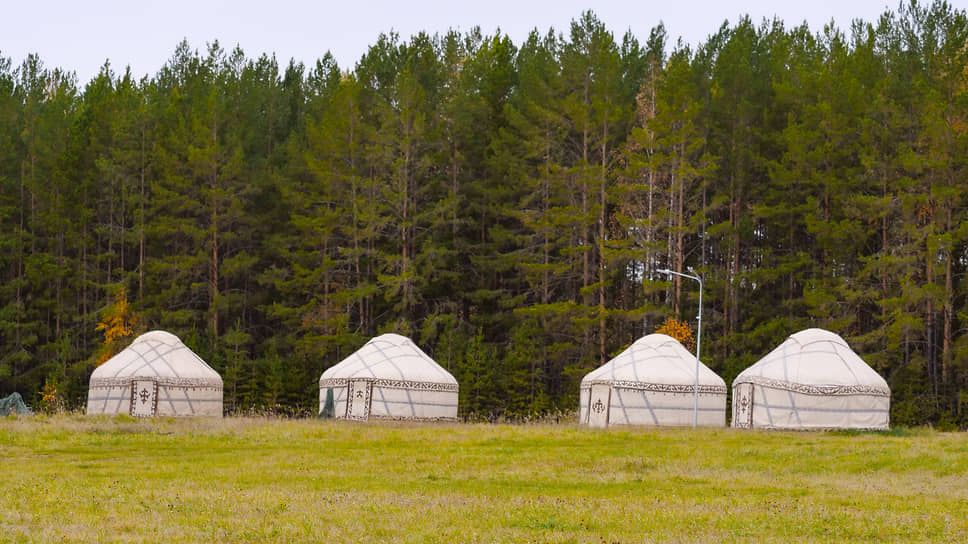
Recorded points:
(80, 479)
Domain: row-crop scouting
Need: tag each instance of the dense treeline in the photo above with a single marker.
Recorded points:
(507, 206)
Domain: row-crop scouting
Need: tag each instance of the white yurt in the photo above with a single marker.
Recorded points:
(813, 380)
(388, 378)
(652, 382)
(157, 375)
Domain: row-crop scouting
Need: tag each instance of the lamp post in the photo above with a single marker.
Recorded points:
(695, 404)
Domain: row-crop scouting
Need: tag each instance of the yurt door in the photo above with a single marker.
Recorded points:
(144, 398)
(358, 400)
(743, 406)
(598, 402)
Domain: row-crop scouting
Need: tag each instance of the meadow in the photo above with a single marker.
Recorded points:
(84, 479)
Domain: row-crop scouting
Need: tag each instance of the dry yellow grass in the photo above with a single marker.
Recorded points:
(80, 479)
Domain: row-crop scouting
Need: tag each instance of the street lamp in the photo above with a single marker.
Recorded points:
(667, 272)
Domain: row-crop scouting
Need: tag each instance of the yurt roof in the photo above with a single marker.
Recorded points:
(156, 354)
(390, 357)
(655, 358)
(814, 357)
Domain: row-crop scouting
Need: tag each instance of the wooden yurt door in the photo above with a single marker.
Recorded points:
(743, 406)
(144, 398)
(358, 399)
(598, 402)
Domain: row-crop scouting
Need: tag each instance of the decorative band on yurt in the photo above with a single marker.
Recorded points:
(812, 389)
(659, 387)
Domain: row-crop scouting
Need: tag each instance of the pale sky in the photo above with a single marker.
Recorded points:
(79, 35)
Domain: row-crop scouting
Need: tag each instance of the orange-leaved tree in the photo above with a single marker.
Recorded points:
(118, 323)
(680, 330)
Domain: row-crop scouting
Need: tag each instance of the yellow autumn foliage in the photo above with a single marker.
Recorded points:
(117, 318)
(680, 330)
(117, 323)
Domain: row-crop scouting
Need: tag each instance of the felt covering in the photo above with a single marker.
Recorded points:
(388, 378)
(813, 380)
(157, 375)
(652, 382)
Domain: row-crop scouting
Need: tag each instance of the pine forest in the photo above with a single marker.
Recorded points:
(508, 206)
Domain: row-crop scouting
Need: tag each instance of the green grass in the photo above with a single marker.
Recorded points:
(80, 479)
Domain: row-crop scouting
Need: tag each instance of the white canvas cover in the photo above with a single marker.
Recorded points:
(157, 375)
(389, 378)
(652, 382)
(813, 380)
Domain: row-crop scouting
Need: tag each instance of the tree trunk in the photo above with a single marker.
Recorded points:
(929, 322)
(545, 205)
(930, 226)
(601, 246)
(356, 222)
(680, 223)
(948, 304)
(585, 235)
(405, 234)
(141, 220)
(215, 248)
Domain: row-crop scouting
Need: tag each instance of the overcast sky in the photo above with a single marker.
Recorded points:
(80, 35)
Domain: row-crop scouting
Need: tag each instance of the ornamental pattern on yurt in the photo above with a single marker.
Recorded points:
(663, 387)
(144, 398)
(742, 406)
(399, 384)
(810, 389)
